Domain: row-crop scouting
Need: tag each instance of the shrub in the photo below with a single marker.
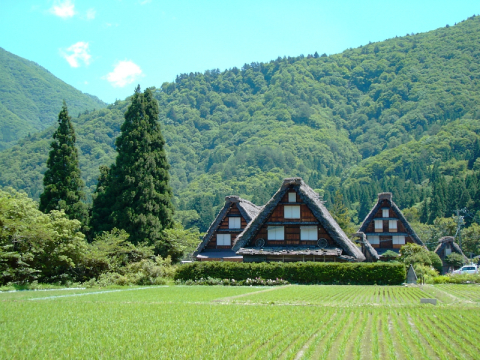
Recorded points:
(436, 261)
(299, 272)
(232, 282)
(455, 260)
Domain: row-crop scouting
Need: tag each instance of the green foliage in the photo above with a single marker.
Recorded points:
(183, 242)
(341, 214)
(436, 261)
(63, 186)
(34, 245)
(31, 96)
(109, 252)
(390, 255)
(300, 272)
(376, 118)
(136, 195)
(455, 260)
(232, 282)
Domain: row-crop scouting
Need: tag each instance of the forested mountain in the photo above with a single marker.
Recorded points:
(387, 116)
(31, 97)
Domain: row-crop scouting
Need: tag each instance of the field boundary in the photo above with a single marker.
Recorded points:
(96, 292)
(226, 299)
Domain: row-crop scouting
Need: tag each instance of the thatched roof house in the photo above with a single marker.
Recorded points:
(386, 228)
(447, 246)
(222, 233)
(295, 226)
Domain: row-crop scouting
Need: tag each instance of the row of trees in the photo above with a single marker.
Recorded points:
(133, 194)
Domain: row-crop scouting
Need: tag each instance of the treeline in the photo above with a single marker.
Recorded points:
(375, 118)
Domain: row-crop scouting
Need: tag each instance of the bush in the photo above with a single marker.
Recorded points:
(436, 261)
(143, 272)
(455, 279)
(455, 260)
(232, 282)
(298, 272)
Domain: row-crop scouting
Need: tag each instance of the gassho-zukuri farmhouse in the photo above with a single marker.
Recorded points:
(295, 225)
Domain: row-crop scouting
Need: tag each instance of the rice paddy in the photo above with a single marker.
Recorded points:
(197, 322)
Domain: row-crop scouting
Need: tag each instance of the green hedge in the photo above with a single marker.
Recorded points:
(298, 272)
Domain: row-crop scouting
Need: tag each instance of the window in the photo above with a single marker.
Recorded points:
(308, 233)
(378, 225)
(234, 223)
(392, 225)
(398, 240)
(276, 233)
(373, 239)
(448, 250)
(292, 197)
(224, 240)
(385, 213)
(292, 212)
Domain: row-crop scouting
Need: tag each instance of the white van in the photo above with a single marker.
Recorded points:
(467, 269)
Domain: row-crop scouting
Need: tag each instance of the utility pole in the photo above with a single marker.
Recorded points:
(460, 223)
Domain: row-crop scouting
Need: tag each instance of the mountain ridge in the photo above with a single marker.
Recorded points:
(31, 97)
(327, 119)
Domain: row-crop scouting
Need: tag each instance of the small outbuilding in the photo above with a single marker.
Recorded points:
(222, 233)
(447, 246)
(295, 226)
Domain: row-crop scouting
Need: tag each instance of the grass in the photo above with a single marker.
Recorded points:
(292, 322)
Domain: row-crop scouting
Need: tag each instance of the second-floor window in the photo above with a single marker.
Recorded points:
(276, 233)
(292, 212)
(234, 223)
(224, 240)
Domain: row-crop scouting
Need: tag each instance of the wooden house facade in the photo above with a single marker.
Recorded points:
(295, 226)
(447, 246)
(222, 233)
(386, 228)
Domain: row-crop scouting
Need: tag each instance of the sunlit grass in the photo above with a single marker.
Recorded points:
(197, 322)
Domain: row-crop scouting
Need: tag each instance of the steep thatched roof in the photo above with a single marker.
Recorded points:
(315, 204)
(442, 243)
(371, 215)
(247, 209)
(367, 249)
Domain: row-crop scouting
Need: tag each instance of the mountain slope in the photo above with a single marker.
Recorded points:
(335, 121)
(31, 98)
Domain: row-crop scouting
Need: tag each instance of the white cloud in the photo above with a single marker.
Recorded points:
(143, 2)
(124, 73)
(91, 14)
(63, 9)
(77, 53)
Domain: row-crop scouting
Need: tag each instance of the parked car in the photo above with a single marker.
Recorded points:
(467, 269)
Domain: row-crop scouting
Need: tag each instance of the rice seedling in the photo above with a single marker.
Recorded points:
(181, 322)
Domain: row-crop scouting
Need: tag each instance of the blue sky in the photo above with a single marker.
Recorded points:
(106, 47)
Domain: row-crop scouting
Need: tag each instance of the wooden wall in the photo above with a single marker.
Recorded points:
(223, 228)
(400, 228)
(292, 226)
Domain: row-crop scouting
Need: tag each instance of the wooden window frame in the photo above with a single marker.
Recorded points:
(288, 210)
(290, 195)
(223, 237)
(309, 230)
(276, 233)
(236, 220)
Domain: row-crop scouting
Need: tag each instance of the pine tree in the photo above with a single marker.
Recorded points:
(365, 205)
(340, 213)
(135, 195)
(63, 186)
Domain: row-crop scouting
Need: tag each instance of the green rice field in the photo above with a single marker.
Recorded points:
(201, 322)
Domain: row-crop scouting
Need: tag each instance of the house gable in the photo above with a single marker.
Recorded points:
(229, 223)
(299, 222)
(386, 228)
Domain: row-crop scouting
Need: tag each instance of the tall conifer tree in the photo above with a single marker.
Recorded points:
(135, 192)
(63, 186)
